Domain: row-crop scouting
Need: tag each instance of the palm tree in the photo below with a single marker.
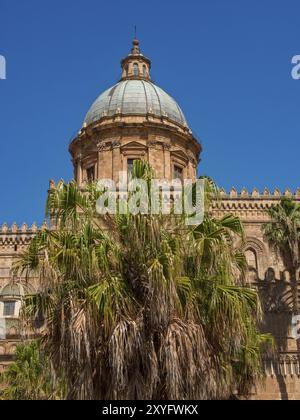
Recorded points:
(283, 233)
(28, 377)
(137, 310)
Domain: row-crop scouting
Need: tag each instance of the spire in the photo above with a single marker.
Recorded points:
(136, 65)
(136, 44)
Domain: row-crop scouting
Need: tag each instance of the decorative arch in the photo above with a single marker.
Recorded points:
(256, 254)
(256, 244)
(12, 290)
(11, 297)
(132, 151)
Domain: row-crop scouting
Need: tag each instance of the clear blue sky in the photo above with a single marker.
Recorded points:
(228, 64)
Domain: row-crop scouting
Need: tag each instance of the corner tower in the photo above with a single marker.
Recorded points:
(134, 119)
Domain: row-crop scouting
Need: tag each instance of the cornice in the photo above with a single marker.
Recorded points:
(122, 121)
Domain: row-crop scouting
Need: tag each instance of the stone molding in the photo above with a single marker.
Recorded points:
(284, 365)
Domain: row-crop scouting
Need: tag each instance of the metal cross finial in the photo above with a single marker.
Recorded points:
(135, 31)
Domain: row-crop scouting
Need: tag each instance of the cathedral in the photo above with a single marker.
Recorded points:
(137, 120)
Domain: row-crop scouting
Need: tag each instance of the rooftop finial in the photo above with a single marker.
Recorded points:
(136, 47)
(136, 65)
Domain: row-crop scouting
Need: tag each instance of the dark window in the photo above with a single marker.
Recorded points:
(9, 308)
(90, 173)
(135, 69)
(178, 172)
(130, 163)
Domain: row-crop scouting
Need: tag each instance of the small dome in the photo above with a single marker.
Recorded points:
(135, 97)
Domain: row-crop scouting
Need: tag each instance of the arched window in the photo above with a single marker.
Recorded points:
(135, 69)
(90, 174)
(10, 298)
(270, 274)
(251, 258)
(144, 71)
(178, 172)
(12, 290)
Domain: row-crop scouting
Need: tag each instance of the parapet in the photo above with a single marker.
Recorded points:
(256, 194)
(14, 234)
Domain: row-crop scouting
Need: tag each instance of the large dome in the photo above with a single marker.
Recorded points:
(134, 120)
(135, 97)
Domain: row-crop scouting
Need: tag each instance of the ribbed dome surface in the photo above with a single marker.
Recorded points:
(135, 97)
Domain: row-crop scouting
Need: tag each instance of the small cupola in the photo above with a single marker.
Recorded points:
(136, 65)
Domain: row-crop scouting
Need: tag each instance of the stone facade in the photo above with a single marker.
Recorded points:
(137, 120)
(107, 148)
(13, 240)
(269, 276)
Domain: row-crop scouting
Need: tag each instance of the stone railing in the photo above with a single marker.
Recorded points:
(284, 365)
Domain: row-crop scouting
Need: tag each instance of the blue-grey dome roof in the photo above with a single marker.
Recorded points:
(135, 97)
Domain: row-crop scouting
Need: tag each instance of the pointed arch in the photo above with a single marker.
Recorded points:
(257, 256)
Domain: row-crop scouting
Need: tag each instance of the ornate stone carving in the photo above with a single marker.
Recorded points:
(167, 146)
(152, 143)
(103, 146)
(115, 144)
